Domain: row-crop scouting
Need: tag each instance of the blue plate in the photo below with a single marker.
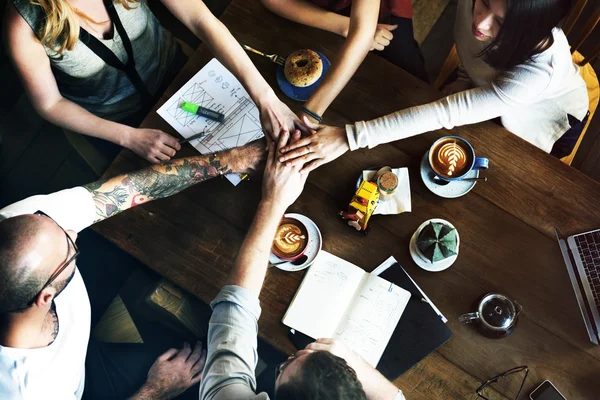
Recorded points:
(301, 93)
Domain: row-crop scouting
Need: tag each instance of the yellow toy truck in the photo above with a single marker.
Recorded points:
(361, 207)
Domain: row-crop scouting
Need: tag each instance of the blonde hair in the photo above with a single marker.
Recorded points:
(60, 30)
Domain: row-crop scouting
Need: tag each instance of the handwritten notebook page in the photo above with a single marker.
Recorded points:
(323, 296)
(370, 320)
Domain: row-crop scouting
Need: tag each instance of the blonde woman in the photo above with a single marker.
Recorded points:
(94, 67)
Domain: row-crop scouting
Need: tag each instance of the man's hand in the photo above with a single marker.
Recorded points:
(282, 183)
(383, 36)
(276, 117)
(173, 373)
(152, 144)
(325, 145)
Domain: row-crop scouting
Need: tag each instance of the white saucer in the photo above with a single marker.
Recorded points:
(315, 242)
(425, 263)
(453, 189)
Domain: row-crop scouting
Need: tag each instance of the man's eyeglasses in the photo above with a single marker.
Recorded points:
(70, 243)
(503, 375)
(280, 367)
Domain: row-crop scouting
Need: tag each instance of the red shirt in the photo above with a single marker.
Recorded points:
(399, 8)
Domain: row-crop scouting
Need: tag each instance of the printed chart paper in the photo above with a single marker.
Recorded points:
(216, 88)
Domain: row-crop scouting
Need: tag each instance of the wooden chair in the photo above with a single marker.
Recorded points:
(585, 65)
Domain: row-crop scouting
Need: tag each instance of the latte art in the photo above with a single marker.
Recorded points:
(450, 159)
(289, 239)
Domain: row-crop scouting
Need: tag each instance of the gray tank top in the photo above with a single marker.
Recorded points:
(84, 78)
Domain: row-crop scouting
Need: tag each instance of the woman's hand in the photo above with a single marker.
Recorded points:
(383, 36)
(326, 144)
(276, 117)
(152, 144)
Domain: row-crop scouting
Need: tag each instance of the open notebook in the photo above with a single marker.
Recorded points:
(340, 300)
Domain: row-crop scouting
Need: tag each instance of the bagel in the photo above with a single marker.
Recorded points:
(303, 68)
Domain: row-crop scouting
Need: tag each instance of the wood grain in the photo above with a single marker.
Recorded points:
(507, 241)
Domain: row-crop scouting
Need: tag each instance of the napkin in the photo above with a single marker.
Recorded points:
(400, 202)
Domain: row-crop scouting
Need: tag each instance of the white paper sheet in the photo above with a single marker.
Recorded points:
(400, 202)
(216, 88)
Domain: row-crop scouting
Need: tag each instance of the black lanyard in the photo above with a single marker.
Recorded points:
(110, 58)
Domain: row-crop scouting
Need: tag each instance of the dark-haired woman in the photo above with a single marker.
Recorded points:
(515, 64)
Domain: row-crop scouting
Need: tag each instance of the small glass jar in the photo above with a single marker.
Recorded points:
(387, 184)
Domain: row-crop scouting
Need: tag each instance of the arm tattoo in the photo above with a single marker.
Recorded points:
(111, 196)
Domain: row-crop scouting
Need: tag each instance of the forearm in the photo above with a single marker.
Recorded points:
(467, 107)
(235, 59)
(148, 392)
(197, 18)
(68, 115)
(351, 55)
(252, 260)
(363, 23)
(376, 386)
(306, 13)
(117, 194)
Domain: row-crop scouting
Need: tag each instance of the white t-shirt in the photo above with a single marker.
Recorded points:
(58, 370)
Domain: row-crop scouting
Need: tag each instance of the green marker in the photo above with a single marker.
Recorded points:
(202, 111)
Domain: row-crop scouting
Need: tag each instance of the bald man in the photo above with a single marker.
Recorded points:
(44, 306)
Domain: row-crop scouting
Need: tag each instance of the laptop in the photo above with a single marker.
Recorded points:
(581, 253)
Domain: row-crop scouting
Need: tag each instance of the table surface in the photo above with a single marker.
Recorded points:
(506, 227)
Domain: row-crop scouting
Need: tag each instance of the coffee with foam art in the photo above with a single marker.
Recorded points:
(290, 240)
(450, 158)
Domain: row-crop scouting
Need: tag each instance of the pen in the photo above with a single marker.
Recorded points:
(193, 137)
(202, 111)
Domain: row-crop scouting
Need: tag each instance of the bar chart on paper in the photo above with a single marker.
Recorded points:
(215, 88)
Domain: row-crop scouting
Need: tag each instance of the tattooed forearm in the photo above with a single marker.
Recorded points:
(111, 196)
(156, 185)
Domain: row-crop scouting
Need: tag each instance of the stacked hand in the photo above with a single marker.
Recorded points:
(325, 144)
(282, 182)
(276, 117)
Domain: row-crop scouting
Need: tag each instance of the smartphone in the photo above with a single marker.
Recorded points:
(546, 391)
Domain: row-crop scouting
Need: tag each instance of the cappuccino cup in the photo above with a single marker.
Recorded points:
(451, 158)
(291, 239)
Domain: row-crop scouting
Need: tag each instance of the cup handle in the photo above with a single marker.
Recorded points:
(468, 318)
(481, 163)
(518, 308)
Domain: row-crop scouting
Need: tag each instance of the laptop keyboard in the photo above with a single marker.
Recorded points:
(589, 249)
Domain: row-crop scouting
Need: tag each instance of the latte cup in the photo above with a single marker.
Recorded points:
(291, 239)
(451, 158)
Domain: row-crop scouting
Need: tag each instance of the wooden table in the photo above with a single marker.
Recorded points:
(507, 240)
